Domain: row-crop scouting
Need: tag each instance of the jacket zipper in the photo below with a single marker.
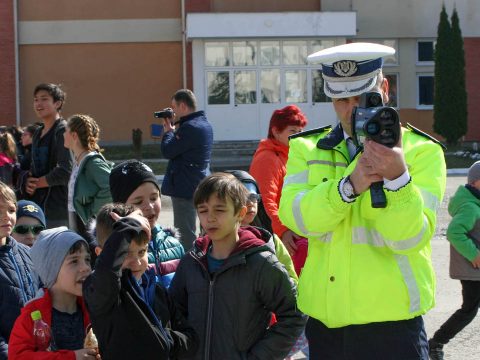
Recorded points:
(208, 334)
(20, 277)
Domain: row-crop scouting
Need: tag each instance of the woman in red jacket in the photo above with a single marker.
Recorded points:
(269, 166)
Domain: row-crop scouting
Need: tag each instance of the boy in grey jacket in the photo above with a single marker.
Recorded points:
(464, 235)
(231, 282)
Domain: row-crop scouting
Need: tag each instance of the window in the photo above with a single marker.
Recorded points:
(270, 53)
(244, 53)
(217, 54)
(295, 86)
(245, 87)
(388, 60)
(294, 52)
(270, 85)
(218, 88)
(317, 87)
(392, 90)
(425, 52)
(425, 91)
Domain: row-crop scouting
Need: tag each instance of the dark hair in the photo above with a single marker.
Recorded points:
(289, 115)
(54, 90)
(31, 128)
(104, 222)
(223, 185)
(77, 246)
(261, 219)
(87, 130)
(16, 132)
(187, 97)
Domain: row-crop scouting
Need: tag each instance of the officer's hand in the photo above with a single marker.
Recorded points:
(476, 262)
(168, 125)
(387, 162)
(363, 175)
(288, 239)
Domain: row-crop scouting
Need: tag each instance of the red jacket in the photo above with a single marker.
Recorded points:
(21, 345)
(269, 168)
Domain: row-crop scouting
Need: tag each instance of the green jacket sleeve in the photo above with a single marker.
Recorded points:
(284, 257)
(464, 221)
(98, 170)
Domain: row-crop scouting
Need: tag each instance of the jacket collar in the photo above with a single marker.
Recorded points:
(332, 139)
(190, 116)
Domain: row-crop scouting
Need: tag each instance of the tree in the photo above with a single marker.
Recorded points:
(450, 110)
(458, 98)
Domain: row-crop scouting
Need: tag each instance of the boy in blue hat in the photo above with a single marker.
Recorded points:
(30, 221)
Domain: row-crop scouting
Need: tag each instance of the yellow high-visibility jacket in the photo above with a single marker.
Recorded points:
(364, 264)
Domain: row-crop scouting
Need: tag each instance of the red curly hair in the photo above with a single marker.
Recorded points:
(289, 115)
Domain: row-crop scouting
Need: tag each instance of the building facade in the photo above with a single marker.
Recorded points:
(120, 60)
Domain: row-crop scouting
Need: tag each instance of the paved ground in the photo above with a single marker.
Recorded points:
(466, 346)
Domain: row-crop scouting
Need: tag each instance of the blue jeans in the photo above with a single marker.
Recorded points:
(392, 340)
(185, 220)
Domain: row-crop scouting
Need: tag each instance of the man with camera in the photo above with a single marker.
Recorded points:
(187, 144)
(368, 277)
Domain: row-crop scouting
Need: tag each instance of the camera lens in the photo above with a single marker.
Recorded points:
(372, 128)
(375, 100)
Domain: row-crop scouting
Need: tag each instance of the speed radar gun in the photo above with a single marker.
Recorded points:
(372, 120)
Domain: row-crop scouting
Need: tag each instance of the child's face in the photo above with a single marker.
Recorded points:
(137, 259)
(252, 210)
(8, 216)
(147, 198)
(33, 227)
(75, 269)
(68, 138)
(44, 105)
(218, 218)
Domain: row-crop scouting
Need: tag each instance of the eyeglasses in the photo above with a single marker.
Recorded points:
(23, 229)
(254, 197)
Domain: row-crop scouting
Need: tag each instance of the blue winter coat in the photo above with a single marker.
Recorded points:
(17, 286)
(188, 149)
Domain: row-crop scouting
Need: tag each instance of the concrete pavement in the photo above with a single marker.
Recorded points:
(466, 346)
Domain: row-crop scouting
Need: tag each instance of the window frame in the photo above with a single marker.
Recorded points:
(425, 63)
(418, 105)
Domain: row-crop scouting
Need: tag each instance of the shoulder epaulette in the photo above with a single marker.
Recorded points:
(310, 132)
(424, 134)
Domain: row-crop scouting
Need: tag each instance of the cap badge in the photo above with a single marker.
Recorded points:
(345, 68)
(30, 208)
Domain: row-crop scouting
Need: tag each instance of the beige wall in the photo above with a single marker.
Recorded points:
(97, 9)
(120, 85)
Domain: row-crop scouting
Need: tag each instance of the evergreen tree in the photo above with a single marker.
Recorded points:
(444, 113)
(458, 91)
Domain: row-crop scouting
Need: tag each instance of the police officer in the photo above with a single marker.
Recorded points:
(368, 278)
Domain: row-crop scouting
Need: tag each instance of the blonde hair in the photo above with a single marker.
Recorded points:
(7, 194)
(8, 146)
(87, 130)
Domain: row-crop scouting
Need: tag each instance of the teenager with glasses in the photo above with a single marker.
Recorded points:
(30, 222)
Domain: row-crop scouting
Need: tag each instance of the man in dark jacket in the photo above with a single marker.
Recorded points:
(187, 143)
(51, 161)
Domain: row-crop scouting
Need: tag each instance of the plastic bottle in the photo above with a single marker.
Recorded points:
(41, 332)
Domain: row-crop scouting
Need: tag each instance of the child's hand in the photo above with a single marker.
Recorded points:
(83, 354)
(137, 215)
(476, 262)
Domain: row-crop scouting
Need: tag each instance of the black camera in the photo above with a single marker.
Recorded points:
(166, 113)
(372, 120)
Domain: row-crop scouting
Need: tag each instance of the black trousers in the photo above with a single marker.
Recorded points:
(393, 340)
(463, 316)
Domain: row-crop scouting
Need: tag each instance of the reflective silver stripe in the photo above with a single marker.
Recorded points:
(409, 278)
(297, 212)
(372, 237)
(431, 201)
(297, 216)
(298, 178)
(324, 162)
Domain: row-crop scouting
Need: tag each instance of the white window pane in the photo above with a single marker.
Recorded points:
(317, 45)
(317, 87)
(216, 54)
(296, 86)
(245, 87)
(392, 90)
(218, 87)
(294, 52)
(270, 86)
(244, 53)
(270, 53)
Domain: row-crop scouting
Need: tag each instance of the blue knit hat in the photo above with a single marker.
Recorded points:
(30, 209)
